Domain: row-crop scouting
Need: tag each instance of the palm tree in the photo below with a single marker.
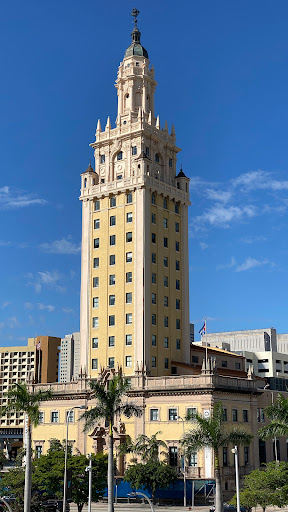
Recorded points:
(148, 447)
(278, 414)
(109, 404)
(212, 433)
(20, 399)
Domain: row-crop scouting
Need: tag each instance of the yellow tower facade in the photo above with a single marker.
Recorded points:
(134, 269)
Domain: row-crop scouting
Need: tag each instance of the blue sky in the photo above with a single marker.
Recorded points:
(222, 79)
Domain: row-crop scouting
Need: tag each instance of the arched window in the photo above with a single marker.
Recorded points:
(120, 155)
(157, 158)
(85, 183)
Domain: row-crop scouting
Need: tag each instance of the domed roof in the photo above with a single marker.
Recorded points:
(136, 48)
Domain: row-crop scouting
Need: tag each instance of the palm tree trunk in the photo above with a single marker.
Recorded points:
(28, 468)
(110, 470)
(218, 490)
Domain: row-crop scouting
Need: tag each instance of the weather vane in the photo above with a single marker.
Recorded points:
(135, 13)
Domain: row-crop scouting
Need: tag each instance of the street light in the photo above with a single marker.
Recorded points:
(137, 493)
(66, 451)
(235, 451)
(184, 463)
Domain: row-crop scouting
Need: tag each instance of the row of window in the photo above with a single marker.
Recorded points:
(165, 203)
(54, 417)
(134, 152)
(113, 202)
(111, 320)
(165, 281)
(166, 321)
(166, 341)
(235, 415)
(165, 242)
(172, 414)
(165, 261)
(112, 220)
(165, 223)
(111, 341)
(111, 362)
(112, 300)
(166, 301)
(225, 452)
(112, 278)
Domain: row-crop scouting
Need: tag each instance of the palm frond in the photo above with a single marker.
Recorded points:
(129, 410)
(274, 429)
(239, 436)
(92, 416)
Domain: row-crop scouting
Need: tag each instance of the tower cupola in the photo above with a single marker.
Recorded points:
(136, 48)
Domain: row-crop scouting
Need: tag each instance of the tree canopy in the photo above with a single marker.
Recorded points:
(278, 414)
(151, 475)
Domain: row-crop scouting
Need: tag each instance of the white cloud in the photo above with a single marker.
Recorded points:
(13, 199)
(253, 239)
(29, 306)
(4, 243)
(5, 304)
(12, 322)
(44, 307)
(222, 216)
(259, 180)
(68, 310)
(250, 263)
(203, 245)
(63, 246)
(221, 196)
(46, 278)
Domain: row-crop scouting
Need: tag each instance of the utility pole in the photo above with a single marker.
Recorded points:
(235, 451)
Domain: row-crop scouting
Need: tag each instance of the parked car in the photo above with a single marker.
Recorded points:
(228, 508)
(53, 505)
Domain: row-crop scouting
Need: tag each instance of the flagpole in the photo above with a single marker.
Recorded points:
(206, 347)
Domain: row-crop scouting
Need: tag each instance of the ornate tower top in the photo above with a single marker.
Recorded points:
(136, 48)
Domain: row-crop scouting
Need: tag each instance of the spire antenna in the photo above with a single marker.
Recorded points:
(135, 13)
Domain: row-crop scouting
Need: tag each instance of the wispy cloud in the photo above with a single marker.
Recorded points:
(221, 196)
(44, 307)
(12, 322)
(11, 198)
(261, 180)
(63, 246)
(203, 245)
(223, 216)
(253, 239)
(250, 263)
(45, 278)
(5, 304)
(68, 310)
(4, 243)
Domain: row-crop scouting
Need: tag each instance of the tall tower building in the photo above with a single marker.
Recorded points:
(134, 269)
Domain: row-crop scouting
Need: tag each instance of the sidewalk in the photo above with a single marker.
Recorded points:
(125, 507)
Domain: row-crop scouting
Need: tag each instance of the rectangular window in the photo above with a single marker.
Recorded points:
(95, 302)
(170, 162)
(95, 322)
(177, 323)
(112, 239)
(129, 197)
(166, 363)
(128, 277)
(112, 279)
(96, 263)
(41, 417)
(165, 321)
(177, 208)
(95, 282)
(153, 319)
(245, 415)
(112, 202)
(165, 204)
(111, 300)
(153, 278)
(96, 243)
(129, 217)
(153, 238)
(153, 298)
(173, 414)
(177, 246)
(54, 417)
(102, 159)
(111, 362)
(129, 339)
(128, 361)
(153, 199)
(173, 456)
(94, 342)
(177, 265)
(225, 415)
(165, 261)
(129, 236)
(165, 241)
(97, 205)
(39, 450)
(178, 344)
(262, 452)
(166, 342)
(154, 415)
(225, 456)
(111, 341)
(177, 227)
(177, 284)
(237, 366)
(234, 414)
(153, 362)
(165, 223)
(193, 460)
(129, 318)
(69, 416)
(224, 364)
(94, 364)
(153, 218)
(113, 220)
(246, 455)
(177, 303)
(111, 320)
(191, 413)
(153, 340)
(153, 257)
(112, 259)
(96, 223)
(129, 298)
(166, 281)
(166, 302)
(128, 257)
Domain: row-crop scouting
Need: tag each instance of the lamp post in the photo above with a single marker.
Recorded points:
(184, 463)
(66, 452)
(235, 451)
